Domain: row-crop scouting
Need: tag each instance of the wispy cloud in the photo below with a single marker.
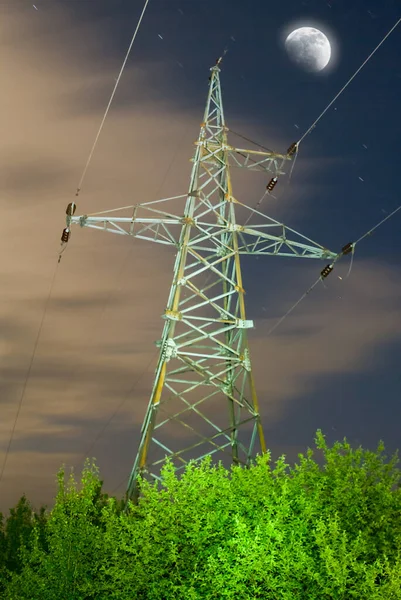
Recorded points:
(103, 317)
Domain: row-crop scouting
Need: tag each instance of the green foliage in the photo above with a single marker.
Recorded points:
(67, 566)
(18, 531)
(15, 534)
(271, 532)
(3, 554)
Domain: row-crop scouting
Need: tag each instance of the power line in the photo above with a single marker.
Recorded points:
(10, 441)
(259, 202)
(99, 435)
(348, 82)
(369, 232)
(334, 99)
(249, 140)
(378, 225)
(111, 100)
(293, 307)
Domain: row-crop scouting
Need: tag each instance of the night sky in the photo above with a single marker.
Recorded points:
(333, 363)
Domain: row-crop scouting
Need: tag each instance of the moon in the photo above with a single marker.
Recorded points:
(309, 48)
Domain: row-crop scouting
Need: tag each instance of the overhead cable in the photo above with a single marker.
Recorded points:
(249, 140)
(349, 248)
(348, 82)
(111, 100)
(10, 441)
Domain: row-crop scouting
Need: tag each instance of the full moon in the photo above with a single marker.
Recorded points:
(309, 48)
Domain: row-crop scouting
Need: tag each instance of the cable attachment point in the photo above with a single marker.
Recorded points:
(326, 271)
(293, 149)
(348, 248)
(63, 247)
(218, 61)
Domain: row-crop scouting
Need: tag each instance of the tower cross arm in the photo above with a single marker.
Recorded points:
(257, 160)
(279, 240)
(147, 221)
(241, 157)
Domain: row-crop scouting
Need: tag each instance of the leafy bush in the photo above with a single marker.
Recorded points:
(16, 532)
(330, 532)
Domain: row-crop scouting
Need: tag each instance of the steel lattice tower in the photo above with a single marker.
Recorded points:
(204, 368)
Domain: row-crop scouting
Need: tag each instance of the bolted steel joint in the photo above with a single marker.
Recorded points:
(227, 389)
(246, 361)
(170, 350)
(173, 315)
(244, 324)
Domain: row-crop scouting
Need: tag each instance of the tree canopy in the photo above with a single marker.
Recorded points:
(329, 531)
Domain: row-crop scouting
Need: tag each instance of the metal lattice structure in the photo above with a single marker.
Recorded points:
(204, 400)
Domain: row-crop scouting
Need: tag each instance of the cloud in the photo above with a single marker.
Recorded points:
(333, 332)
(99, 300)
(96, 347)
(20, 175)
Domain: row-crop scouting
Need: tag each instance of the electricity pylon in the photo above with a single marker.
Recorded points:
(204, 399)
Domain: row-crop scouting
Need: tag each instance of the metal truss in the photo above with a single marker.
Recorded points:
(203, 400)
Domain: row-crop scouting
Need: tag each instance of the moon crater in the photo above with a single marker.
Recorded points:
(309, 48)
